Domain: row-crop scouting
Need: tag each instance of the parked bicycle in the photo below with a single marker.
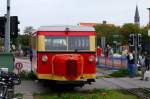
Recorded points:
(7, 83)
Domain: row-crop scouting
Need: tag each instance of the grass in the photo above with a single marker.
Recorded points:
(27, 75)
(120, 73)
(95, 94)
(105, 71)
(18, 95)
(123, 72)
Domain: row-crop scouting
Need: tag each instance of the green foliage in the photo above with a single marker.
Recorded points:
(27, 75)
(24, 42)
(120, 73)
(93, 97)
(128, 29)
(18, 95)
(107, 31)
(28, 30)
(95, 94)
(69, 96)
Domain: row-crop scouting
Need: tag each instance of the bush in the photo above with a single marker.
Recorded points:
(120, 73)
(68, 96)
(27, 75)
(18, 96)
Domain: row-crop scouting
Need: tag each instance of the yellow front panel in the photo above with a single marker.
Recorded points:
(41, 43)
(62, 78)
(92, 43)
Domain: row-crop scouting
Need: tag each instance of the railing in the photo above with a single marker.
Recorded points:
(112, 62)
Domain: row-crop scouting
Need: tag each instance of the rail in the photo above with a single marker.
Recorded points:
(142, 93)
(112, 62)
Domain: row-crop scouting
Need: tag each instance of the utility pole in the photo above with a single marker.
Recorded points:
(135, 41)
(136, 51)
(7, 29)
(149, 17)
(103, 43)
(149, 27)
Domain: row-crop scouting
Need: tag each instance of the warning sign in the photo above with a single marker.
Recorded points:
(19, 65)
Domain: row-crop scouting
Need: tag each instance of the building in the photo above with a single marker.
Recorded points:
(137, 17)
(94, 24)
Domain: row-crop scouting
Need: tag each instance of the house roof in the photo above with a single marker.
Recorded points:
(65, 28)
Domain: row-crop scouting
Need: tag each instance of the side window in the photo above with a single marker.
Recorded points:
(55, 43)
(78, 43)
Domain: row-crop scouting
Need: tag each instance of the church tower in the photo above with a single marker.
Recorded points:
(137, 17)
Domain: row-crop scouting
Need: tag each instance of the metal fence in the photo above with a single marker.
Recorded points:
(112, 62)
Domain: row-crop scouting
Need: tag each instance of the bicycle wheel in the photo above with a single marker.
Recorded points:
(10, 93)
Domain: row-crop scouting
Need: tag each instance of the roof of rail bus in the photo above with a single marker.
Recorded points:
(64, 28)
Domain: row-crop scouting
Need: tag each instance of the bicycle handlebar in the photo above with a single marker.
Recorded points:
(10, 79)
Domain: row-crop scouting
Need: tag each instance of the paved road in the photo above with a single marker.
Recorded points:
(28, 88)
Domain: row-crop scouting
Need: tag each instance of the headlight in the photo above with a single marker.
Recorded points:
(91, 58)
(44, 58)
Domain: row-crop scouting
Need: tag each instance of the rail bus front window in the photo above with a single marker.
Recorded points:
(55, 43)
(78, 43)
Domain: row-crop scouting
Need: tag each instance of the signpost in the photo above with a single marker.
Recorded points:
(7, 29)
(7, 58)
(19, 66)
(149, 29)
(135, 41)
(103, 43)
(149, 32)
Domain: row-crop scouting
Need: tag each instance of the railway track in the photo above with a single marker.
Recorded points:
(142, 93)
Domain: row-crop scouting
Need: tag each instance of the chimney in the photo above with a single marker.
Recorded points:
(104, 22)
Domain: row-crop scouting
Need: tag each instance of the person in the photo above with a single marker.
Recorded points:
(143, 66)
(110, 51)
(106, 50)
(31, 54)
(147, 61)
(131, 64)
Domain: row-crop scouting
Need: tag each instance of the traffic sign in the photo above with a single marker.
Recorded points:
(19, 66)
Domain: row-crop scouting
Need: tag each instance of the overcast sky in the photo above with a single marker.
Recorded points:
(71, 12)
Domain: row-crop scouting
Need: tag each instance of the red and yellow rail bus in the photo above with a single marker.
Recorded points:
(64, 54)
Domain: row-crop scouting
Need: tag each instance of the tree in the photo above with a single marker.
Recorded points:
(106, 30)
(24, 40)
(145, 38)
(128, 29)
(28, 30)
